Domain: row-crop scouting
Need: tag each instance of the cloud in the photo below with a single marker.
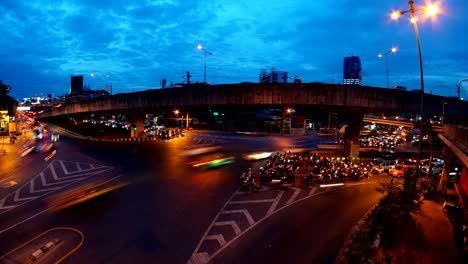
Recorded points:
(136, 43)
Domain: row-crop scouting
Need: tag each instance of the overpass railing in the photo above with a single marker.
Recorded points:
(457, 135)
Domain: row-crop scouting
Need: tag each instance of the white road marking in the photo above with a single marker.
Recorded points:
(54, 174)
(61, 183)
(33, 216)
(252, 201)
(233, 224)
(17, 197)
(199, 258)
(313, 190)
(204, 257)
(294, 196)
(275, 203)
(241, 211)
(218, 237)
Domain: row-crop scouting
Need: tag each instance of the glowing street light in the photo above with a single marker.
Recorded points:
(430, 10)
(392, 50)
(200, 47)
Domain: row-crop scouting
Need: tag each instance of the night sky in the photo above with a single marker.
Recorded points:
(134, 44)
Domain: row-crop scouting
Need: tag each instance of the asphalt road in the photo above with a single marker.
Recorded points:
(167, 211)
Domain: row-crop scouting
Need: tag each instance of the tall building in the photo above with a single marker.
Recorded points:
(76, 85)
(352, 73)
(273, 77)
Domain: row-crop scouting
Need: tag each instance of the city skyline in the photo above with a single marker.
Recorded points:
(133, 46)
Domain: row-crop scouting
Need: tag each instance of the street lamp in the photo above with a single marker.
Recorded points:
(443, 113)
(392, 50)
(176, 112)
(200, 47)
(458, 107)
(430, 10)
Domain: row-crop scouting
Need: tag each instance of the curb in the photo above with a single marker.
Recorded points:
(341, 257)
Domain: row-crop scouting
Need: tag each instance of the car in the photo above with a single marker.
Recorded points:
(436, 168)
(397, 171)
(386, 164)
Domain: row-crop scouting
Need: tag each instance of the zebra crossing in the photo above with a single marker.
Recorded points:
(57, 175)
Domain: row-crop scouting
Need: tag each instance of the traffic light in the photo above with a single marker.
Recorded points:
(215, 113)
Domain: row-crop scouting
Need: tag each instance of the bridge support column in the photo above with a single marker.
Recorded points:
(352, 133)
(138, 125)
(449, 161)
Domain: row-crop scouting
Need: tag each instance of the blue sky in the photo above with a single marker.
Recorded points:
(133, 44)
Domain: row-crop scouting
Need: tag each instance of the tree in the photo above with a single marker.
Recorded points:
(6, 101)
(4, 89)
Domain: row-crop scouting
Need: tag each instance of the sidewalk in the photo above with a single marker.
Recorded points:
(430, 240)
(8, 156)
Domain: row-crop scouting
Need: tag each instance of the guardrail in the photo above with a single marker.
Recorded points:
(458, 135)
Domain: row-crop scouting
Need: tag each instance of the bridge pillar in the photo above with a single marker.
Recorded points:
(138, 125)
(352, 133)
(449, 162)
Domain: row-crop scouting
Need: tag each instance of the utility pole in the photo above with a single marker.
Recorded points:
(188, 78)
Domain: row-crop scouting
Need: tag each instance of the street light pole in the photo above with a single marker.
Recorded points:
(200, 47)
(431, 10)
(443, 113)
(457, 122)
(392, 50)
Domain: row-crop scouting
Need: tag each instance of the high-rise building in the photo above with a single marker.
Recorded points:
(76, 85)
(352, 73)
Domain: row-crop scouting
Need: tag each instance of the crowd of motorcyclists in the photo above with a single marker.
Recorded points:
(169, 133)
(281, 170)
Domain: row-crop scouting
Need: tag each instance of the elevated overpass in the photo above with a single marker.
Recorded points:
(331, 97)
(352, 101)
